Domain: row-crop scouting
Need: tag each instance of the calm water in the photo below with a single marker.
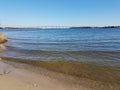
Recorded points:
(100, 46)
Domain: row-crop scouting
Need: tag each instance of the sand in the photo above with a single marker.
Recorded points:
(14, 78)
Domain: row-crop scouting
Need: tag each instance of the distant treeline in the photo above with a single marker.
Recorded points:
(19, 28)
(1, 28)
(87, 27)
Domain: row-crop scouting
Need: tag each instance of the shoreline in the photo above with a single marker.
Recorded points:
(27, 78)
(74, 73)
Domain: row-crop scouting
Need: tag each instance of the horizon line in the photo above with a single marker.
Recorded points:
(42, 27)
(63, 26)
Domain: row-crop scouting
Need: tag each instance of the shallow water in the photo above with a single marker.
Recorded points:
(101, 46)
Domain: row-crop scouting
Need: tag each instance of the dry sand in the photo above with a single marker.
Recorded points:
(12, 78)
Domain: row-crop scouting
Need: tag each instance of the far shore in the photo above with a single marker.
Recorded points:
(62, 27)
(88, 76)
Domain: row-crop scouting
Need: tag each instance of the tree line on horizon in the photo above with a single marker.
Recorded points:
(84, 27)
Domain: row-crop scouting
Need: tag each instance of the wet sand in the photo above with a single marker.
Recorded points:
(16, 78)
(45, 75)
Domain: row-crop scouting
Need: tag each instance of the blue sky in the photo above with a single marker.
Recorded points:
(59, 12)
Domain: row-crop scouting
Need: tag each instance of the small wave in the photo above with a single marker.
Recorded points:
(20, 39)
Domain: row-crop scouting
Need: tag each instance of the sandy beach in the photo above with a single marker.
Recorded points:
(14, 78)
(40, 75)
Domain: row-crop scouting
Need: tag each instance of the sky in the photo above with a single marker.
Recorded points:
(35, 13)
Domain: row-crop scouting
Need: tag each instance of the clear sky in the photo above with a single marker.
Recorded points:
(59, 12)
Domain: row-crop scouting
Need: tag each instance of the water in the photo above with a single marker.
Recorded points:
(100, 46)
